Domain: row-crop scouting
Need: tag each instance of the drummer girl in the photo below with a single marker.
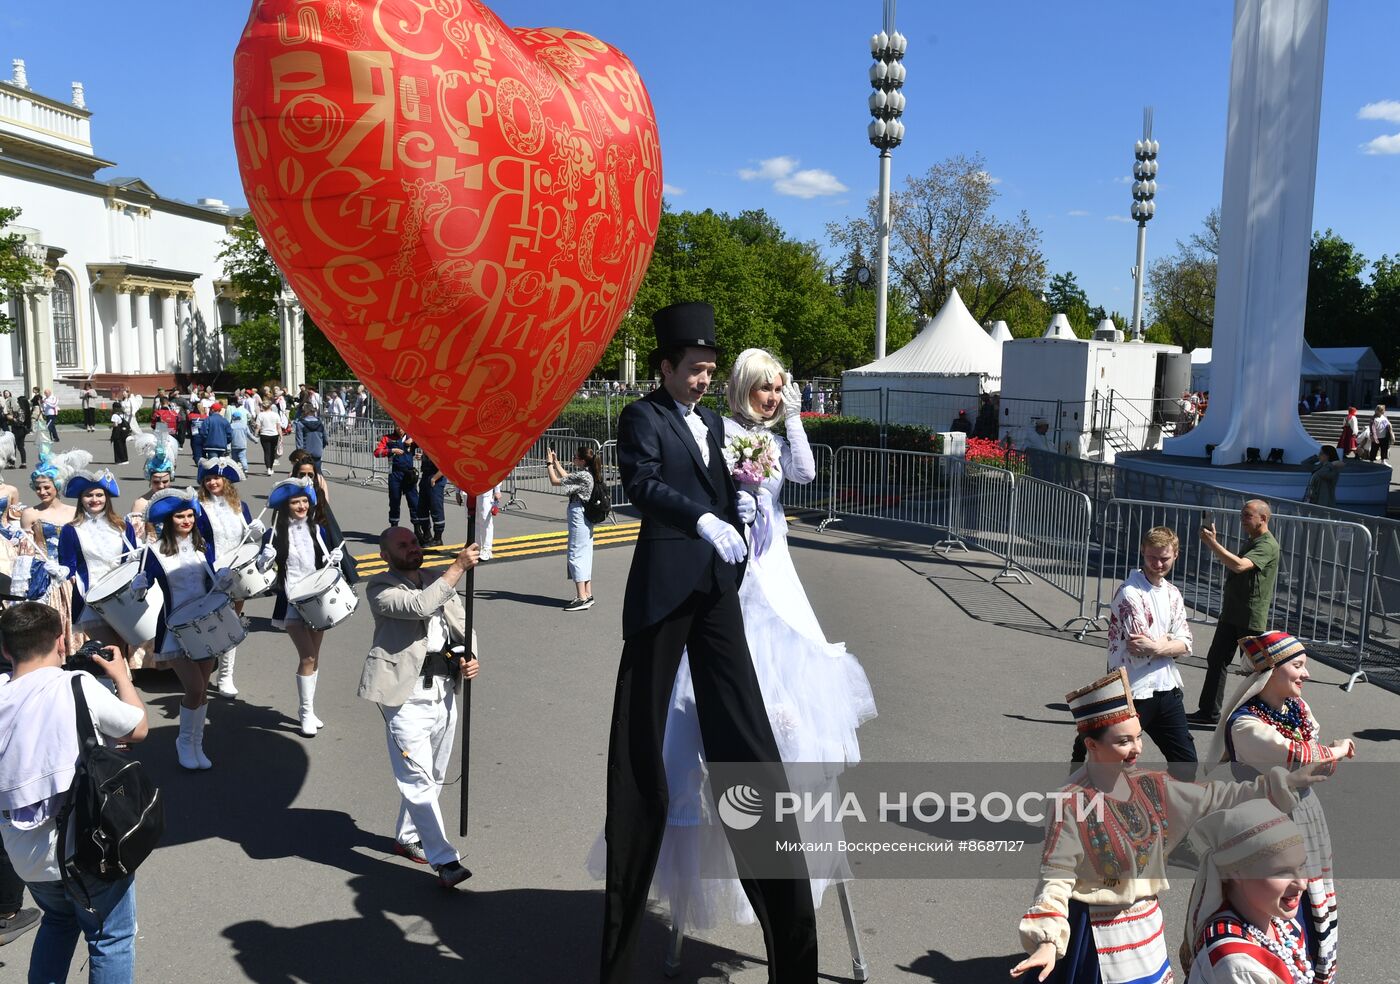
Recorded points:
(181, 562)
(160, 470)
(300, 547)
(93, 543)
(224, 521)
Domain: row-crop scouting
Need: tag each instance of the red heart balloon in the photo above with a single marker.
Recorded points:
(465, 209)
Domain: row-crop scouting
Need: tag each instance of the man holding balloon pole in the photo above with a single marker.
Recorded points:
(683, 594)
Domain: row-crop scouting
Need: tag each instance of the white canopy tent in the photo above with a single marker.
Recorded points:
(947, 366)
(1001, 332)
(1059, 328)
(1312, 368)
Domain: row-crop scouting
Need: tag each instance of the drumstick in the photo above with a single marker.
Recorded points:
(469, 596)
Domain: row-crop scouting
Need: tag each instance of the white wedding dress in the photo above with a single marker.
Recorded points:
(816, 694)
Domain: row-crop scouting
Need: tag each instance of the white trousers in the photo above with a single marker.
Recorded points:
(420, 733)
(485, 533)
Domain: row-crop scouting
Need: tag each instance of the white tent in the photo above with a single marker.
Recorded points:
(1059, 328)
(1000, 332)
(1312, 367)
(946, 367)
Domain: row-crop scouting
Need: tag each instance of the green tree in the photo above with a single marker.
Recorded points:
(257, 338)
(1338, 298)
(1383, 314)
(1182, 287)
(1064, 292)
(16, 269)
(944, 235)
(768, 290)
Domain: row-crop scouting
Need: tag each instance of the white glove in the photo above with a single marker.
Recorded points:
(257, 528)
(792, 399)
(724, 538)
(335, 556)
(141, 583)
(266, 557)
(763, 525)
(748, 509)
(56, 569)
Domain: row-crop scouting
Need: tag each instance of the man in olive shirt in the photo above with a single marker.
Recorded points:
(1248, 595)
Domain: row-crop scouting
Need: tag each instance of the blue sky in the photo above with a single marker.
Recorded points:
(1050, 94)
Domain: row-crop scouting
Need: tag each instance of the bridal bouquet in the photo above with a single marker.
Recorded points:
(751, 458)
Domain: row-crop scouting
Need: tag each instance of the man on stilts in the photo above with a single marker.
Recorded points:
(683, 594)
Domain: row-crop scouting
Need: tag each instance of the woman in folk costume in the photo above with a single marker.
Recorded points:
(224, 520)
(21, 560)
(91, 545)
(1349, 441)
(1095, 916)
(160, 472)
(182, 563)
(300, 547)
(46, 517)
(1244, 925)
(1267, 724)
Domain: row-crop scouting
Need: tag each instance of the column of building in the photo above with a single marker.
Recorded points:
(167, 342)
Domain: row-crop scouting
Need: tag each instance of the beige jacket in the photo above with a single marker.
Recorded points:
(401, 610)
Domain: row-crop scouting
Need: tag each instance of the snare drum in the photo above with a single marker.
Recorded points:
(112, 597)
(207, 627)
(323, 598)
(249, 581)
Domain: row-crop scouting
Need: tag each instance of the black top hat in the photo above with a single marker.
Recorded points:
(685, 324)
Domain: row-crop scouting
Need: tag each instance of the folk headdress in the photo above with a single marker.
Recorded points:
(1103, 703)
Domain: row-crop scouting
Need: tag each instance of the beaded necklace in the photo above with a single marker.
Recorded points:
(1290, 722)
(1287, 948)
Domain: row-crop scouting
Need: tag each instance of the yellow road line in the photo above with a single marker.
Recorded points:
(435, 559)
(507, 541)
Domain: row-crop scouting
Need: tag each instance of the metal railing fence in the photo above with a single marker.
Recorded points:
(817, 495)
(1323, 588)
(911, 487)
(350, 446)
(1050, 537)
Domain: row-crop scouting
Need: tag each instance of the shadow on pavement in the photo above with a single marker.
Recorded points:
(409, 930)
(543, 601)
(979, 970)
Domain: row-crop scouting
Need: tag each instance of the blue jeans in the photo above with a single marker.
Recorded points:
(110, 933)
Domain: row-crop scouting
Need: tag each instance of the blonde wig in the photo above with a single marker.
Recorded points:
(752, 369)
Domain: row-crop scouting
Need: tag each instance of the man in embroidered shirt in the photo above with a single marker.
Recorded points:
(1147, 633)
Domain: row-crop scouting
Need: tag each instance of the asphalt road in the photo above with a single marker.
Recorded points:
(277, 867)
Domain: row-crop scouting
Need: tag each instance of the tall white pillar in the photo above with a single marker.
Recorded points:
(185, 319)
(145, 332)
(1266, 209)
(42, 332)
(124, 343)
(7, 354)
(167, 351)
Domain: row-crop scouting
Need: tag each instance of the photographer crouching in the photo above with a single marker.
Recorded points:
(39, 749)
(413, 673)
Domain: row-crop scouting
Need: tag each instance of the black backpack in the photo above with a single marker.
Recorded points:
(114, 810)
(596, 509)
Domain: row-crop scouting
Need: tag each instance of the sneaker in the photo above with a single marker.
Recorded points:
(269, 471)
(579, 605)
(20, 923)
(452, 874)
(414, 852)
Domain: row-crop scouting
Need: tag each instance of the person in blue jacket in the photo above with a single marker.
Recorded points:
(217, 433)
(399, 448)
(181, 561)
(92, 544)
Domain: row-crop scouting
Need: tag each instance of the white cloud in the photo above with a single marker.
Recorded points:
(1117, 218)
(669, 189)
(990, 179)
(1076, 213)
(789, 180)
(1386, 109)
(1124, 179)
(1383, 145)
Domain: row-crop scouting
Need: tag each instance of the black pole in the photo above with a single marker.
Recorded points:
(469, 595)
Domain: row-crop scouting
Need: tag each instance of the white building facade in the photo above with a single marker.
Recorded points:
(132, 290)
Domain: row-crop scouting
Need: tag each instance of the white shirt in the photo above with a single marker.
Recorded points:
(269, 423)
(698, 430)
(102, 545)
(1158, 612)
(227, 524)
(32, 845)
(186, 571)
(301, 553)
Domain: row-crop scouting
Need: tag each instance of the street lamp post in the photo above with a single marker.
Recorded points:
(1144, 190)
(886, 132)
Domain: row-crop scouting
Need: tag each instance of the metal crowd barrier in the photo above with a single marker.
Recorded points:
(817, 495)
(1326, 568)
(531, 473)
(1051, 538)
(983, 510)
(350, 444)
(911, 487)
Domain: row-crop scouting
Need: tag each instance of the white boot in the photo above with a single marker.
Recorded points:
(184, 744)
(197, 738)
(225, 673)
(306, 691)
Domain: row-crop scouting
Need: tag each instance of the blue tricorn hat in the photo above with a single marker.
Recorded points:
(288, 489)
(83, 482)
(168, 502)
(225, 468)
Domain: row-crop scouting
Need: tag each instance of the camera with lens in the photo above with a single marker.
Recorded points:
(87, 655)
